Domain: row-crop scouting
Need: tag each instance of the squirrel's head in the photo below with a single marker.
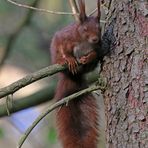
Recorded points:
(89, 27)
(90, 30)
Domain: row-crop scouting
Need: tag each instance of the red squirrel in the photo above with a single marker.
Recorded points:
(77, 42)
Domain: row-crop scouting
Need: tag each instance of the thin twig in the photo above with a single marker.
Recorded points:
(92, 12)
(45, 72)
(53, 107)
(102, 21)
(74, 9)
(40, 9)
(7, 105)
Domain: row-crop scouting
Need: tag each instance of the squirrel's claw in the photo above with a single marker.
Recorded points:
(72, 64)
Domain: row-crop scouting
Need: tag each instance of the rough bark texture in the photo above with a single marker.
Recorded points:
(126, 98)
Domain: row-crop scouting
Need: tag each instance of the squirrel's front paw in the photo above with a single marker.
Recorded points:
(83, 60)
(72, 64)
(88, 58)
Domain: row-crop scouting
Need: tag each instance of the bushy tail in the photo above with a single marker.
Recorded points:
(77, 122)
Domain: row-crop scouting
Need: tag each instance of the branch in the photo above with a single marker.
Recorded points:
(39, 9)
(54, 106)
(37, 98)
(74, 9)
(45, 72)
(92, 12)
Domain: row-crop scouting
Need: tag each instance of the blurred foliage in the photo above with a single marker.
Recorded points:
(31, 47)
(52, 136)
(1, 133)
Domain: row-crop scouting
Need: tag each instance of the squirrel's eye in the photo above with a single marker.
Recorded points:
(85, 28)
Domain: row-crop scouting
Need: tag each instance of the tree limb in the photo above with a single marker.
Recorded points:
(37, 98)
(54, 106)
(45, 72)
(42, 96)
(74, 9)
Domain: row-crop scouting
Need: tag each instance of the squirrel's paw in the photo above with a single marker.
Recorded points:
(72, 64)
(88, 58)
(83, 60)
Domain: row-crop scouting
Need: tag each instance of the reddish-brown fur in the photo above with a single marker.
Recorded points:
(77, 122)
(65, 40)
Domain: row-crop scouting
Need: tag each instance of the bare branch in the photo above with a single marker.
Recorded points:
(91, 13)
(102, 21)
(39, 9)
(74, 9)
(41, 96)
(54, 106)
(45, 72)
(37, 98)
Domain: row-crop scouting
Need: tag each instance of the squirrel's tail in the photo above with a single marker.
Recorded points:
(77, 122)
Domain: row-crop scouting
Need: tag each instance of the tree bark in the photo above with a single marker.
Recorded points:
(126, 69)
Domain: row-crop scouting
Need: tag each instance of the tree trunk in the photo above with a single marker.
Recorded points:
(126, 70)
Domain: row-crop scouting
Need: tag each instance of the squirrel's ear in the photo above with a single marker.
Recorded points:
(82, 15)
(99, 11)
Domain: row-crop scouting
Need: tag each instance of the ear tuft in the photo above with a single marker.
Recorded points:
(99, 11)
(82, 16)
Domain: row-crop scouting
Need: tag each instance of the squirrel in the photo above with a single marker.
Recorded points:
(79, 42)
